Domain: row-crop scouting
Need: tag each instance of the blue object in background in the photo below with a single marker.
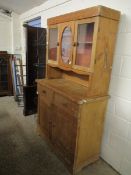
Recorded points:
(35, 22)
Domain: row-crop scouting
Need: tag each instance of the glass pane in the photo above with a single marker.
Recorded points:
(53, 36)
(66, 45)
(84, 45)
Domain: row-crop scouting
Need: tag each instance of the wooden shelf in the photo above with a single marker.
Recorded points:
(52, 64)
(70, 69)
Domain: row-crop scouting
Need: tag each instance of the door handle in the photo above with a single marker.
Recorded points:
(74, 44)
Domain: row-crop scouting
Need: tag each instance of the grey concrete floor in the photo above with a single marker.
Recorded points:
(23, 152)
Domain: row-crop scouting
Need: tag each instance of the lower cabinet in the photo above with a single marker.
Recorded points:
(72, 129)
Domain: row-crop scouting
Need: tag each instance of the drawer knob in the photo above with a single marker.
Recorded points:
(44, 92)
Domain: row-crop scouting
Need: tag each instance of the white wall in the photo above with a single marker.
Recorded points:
(5, 33)
(116, 144)
(16, 34)
(10, 33)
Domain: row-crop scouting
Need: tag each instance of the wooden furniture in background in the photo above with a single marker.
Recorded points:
(72, 99)
(35, 66)
(5, 74)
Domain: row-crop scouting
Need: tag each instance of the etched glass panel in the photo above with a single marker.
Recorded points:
(66, 45)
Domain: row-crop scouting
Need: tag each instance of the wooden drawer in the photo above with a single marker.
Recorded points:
(66, 104)
(45, 94)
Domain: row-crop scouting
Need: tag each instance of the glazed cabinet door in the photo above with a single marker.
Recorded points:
(85, 44)
(53, 45)
(66, 36)
(64, 128)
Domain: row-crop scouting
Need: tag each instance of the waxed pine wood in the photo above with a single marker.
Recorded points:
(72, 99)
(90, 132)
(72, 124)
(86, 13)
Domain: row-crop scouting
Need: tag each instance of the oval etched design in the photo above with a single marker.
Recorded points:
(66, 45)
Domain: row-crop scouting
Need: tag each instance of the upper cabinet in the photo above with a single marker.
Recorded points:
(81, 47)
(71, 45)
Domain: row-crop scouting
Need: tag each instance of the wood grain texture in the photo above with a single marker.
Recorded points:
(90, 130)
(73, 98)
(74, 129)
(105, 45)
(86, 13)
(67, 88)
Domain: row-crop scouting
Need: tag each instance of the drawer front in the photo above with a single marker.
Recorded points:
(66, 104)
(45, 94)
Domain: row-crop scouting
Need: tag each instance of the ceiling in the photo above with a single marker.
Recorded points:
(20, 6)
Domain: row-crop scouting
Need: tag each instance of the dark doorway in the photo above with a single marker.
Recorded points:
(35, 65)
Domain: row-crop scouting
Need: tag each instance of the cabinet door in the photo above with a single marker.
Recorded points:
(53, 44)
(66, 36)
(45, 117)
(64, 128)
(85, 39)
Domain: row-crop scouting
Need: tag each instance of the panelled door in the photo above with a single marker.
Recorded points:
(35, 54)
(64, 128)
(45, 118)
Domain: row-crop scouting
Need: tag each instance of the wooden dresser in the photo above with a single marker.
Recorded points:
(72, 99)
(5, 74)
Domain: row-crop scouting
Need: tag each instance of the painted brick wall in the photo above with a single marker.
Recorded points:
(116, 144)
(5, 33)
